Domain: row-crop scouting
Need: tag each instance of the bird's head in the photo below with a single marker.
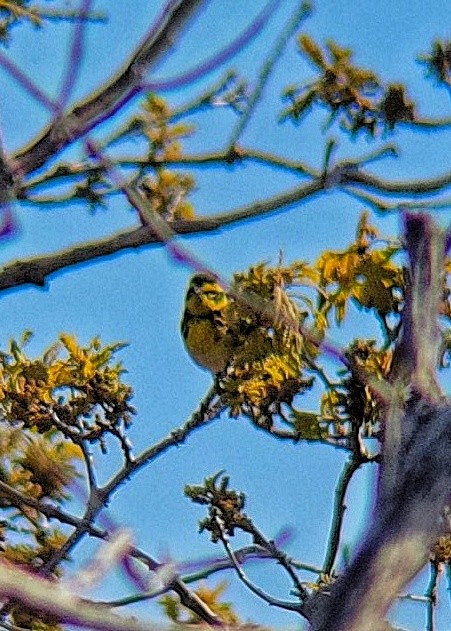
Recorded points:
(205, 295)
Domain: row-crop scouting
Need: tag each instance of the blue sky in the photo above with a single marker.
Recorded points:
(138, 296)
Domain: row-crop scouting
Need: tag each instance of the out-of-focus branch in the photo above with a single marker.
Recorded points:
(48, 597)
(75, 56)
(416, 464)
(115, 94)
(219, 58)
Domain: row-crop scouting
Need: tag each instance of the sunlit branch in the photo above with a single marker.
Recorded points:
(428, 124)
(243, 555)
(381, 206)
(423, 186)
(36, 270)
(224, 92)
(71, 15)
(240, 155)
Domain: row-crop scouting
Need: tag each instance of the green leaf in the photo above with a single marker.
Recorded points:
(308, 425)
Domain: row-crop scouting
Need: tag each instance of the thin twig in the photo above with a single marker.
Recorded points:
(280, 556)
(350, 467)
(63, 172)
(208, 410)
(275, 602)
(431, 596)
(301, 12)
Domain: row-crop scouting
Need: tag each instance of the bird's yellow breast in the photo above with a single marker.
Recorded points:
(206, 345)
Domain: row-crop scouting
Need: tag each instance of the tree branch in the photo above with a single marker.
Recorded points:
(48, 597)
(275, 602)
(110, 98)
(411, 496)
(423, 186)
(35, 270)
(351, 466)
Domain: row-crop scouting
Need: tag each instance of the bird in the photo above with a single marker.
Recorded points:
(205, 330)
(227, 335)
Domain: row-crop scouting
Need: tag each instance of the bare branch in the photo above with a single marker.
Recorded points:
(275, 602)
(350, 467)
(423, 186)
(431, 596)
(36, 269)
(274, 55)
(124, 85)
(209, 409)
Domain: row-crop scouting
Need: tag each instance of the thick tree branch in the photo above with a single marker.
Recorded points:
(411, 495)
(36, 270)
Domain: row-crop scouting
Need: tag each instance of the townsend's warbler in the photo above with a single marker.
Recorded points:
(204, 324)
